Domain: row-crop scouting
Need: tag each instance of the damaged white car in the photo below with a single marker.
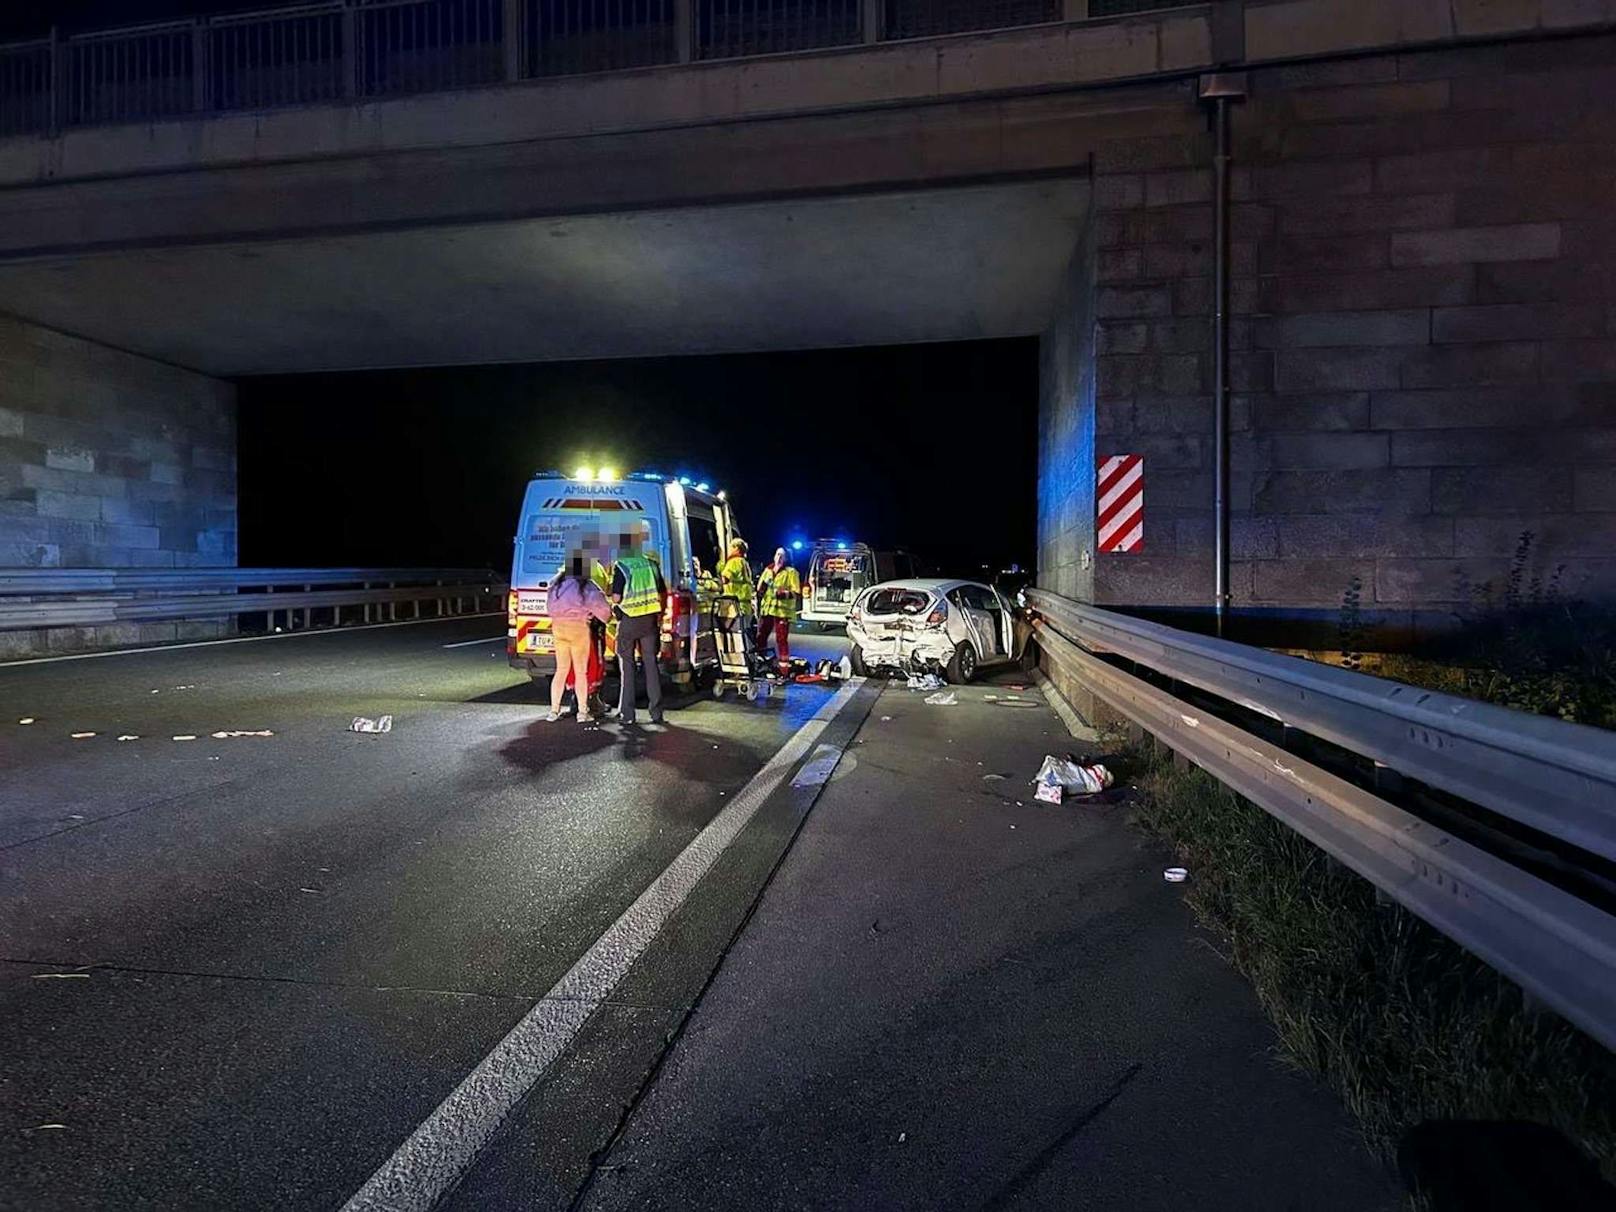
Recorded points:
(936, 625)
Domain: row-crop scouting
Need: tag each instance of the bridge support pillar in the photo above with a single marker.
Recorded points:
(110, 460)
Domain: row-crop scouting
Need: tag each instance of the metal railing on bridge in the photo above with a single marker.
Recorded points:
(330, 50)
(1496, 827)
(42, 598)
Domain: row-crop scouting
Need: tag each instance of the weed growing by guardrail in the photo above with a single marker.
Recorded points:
(1521, 644)
(1403, 1023)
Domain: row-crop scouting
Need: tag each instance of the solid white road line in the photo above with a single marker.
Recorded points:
(240, 639)
(470, 643)
(444, 1147)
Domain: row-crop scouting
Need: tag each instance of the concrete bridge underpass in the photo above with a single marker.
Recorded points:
(1420, 279)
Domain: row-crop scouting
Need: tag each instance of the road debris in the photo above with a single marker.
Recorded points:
(992, 778)
(885, 718)
(43, 1127)
(128, 736)
(221, 736)
(943, 698)
(27, 719)
(365, 724)
(902, 1136)
(81, 736)
(186, 736)
(1175, 875)
(1058, 776)
(925, 681)
(192, 686)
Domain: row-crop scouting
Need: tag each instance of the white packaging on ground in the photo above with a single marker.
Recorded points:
(364, 724)
(943, 698)
(925, 681)
(1066, 775)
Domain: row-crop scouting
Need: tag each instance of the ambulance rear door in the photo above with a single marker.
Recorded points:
(562, 518)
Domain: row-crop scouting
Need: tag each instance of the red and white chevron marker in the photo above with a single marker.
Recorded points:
(1119, 504)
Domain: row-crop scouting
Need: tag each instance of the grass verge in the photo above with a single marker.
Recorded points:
(1404, 1024)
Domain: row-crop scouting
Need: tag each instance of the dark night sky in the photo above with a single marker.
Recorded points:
(931, 447)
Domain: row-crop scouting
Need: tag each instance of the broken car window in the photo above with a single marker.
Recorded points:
(897, 601)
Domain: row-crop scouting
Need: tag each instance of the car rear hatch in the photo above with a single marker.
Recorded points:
(892, 620)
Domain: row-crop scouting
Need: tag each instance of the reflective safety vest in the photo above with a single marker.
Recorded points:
(640, 595)
(737, 574)
(781, 589)
(706, 590)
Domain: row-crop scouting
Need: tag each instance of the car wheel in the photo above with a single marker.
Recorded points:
(856, 659)
(962, 667)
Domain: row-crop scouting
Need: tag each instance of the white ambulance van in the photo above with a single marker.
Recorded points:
(838, 571)
(592, 514)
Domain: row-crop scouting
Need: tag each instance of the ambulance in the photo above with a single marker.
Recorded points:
(838, 571)
(594, 512)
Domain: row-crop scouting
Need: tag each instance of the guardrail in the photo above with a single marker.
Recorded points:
(1555, 778)
(46, 598)
(328, 50)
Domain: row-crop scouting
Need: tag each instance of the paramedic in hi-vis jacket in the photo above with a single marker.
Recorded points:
(778, 590)
(638, 592)
(735, 579)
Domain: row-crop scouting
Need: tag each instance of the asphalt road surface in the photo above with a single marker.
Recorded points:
(486, 962)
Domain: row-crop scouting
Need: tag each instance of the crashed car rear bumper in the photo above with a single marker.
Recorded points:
(905, 652)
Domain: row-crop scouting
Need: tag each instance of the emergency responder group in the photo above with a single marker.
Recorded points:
(580, 605)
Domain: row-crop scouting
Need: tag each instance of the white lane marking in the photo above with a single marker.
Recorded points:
(446, 1144)
(470, 643)
(241, 639)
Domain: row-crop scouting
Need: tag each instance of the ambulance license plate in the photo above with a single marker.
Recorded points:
(540, 641)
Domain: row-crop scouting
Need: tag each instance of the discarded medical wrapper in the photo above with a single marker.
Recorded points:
(943, 698)
(363, 724)
(925, 681)
(1175, 875)
(1059, 776)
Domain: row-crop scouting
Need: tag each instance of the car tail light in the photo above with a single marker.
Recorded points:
(510, 609)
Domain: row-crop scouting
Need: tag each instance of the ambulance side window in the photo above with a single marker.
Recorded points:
(704, 542)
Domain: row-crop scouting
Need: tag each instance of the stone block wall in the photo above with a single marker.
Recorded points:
(1065, 444)
(1424, 334)
(110, 460)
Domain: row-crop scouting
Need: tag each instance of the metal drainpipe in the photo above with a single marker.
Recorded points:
(1220, 89)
